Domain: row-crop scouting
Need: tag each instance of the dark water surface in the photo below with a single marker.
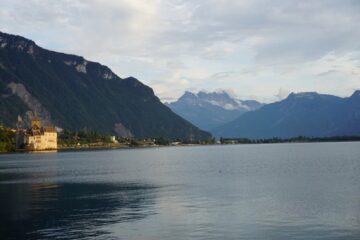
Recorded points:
(279, 191)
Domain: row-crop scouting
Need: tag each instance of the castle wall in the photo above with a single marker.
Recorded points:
(46, 141)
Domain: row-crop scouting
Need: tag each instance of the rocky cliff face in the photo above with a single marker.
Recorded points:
(74, 93)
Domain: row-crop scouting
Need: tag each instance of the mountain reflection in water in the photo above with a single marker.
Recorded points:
(71, 210)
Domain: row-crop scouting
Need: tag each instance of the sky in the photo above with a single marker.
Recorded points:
(256, 49)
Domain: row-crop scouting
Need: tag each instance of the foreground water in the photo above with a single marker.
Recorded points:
(280, 191)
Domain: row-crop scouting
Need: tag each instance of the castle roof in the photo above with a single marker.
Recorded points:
(50, 129)
(36, 119)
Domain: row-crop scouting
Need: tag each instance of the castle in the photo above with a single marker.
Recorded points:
(37, 138)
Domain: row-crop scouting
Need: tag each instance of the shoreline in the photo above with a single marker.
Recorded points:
(104, 148)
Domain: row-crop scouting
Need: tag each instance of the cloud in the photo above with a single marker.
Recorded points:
(326, 73)
(282, 94)
(174, 45)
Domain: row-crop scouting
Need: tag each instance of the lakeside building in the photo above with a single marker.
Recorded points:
(37, 138)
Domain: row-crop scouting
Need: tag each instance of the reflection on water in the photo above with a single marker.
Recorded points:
(71, 210)
(280, 191)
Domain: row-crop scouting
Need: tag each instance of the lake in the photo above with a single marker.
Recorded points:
(273, 191)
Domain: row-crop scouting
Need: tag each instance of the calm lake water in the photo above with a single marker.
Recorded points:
(279, 191)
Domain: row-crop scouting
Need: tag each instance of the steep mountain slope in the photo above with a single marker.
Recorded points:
(302, 114)
(350, 116)
(74, 93)
(211, 110)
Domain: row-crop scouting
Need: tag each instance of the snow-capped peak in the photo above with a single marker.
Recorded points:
(219, 98)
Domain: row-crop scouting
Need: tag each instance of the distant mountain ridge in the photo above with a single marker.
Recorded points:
(209, 110)
(74, 93)
(301, 114)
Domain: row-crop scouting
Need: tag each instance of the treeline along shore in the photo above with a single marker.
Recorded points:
(87, 140)
(299, 139)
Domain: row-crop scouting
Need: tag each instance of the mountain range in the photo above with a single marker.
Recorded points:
(209, 110)
(301, 114)
(76, 94)
(73, 93)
